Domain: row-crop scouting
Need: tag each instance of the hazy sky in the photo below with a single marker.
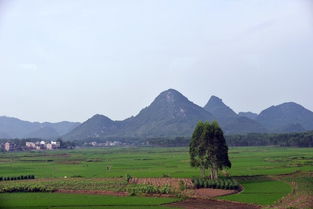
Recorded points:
(70, 59)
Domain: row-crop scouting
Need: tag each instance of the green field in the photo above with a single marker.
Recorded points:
(76, 201)
(150, 162)
(260, 190)
(87, 169)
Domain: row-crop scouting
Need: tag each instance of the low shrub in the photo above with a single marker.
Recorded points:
(128, 177)
(14, 178)
(182, 185)
(149, 189)
(221, 183)
(24, 188)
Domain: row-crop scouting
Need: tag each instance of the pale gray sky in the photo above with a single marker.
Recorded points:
(70, 59)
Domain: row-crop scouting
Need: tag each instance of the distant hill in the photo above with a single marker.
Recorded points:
(44, 133)
(287, 115)
(221, 111)
(170, 114)
(98, 126)
(229, 120)
(4, 135)
(292, 128)
(249, 115)
(16, 128)
(242, 125)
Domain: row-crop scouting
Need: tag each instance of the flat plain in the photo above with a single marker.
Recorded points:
(264, 172)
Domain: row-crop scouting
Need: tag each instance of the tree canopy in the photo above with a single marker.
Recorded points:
(208, 149)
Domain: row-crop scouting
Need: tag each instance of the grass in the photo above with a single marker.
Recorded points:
(85, 169)
(260, 190)
(71, 201)
(150, 162)
(304, 183)
(114, 184)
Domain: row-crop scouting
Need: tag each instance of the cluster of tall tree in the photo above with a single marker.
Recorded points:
(208, 149)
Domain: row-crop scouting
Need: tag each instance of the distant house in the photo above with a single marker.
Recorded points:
(30, 145)
(55, 144)
(8, 146)
(49, 146)
(43, 145)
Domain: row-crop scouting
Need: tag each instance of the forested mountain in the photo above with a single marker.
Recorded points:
(221, 111)
(171, 114)
(43, 133)
(229, 120)
(98, 126)
(285, 116)
(16, 128)
(250, 115)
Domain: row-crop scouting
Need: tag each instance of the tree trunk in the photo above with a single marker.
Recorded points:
(214, 173)
(211, 174)
(202, 172)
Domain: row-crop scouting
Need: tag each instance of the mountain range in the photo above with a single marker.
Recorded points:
(171, 114)
(16, 128)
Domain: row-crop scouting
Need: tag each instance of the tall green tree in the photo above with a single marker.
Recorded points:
(208, 149)
(197, 154)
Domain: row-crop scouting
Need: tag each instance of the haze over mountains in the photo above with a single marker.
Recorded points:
(171, 114)
(16, 128)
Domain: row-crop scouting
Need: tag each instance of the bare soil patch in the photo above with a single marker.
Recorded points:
(211, 204)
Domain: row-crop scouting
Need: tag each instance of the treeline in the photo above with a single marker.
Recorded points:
(286, 140)
(304, 139)
(169, 142)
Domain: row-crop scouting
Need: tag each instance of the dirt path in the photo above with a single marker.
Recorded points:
(211, 204)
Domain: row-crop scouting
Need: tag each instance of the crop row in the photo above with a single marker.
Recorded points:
(24, 188)
(14, 178)
(224, 183)
(149, 189)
